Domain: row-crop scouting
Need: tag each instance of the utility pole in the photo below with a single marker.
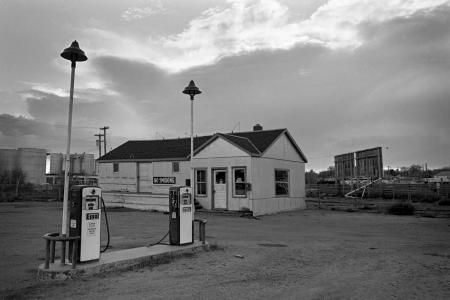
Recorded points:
(99, 143)
(104, 137)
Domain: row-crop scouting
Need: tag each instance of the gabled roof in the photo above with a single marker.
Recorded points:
(173, 149)
(241, 142)
(253, 142)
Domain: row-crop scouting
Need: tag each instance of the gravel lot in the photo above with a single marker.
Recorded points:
(307, 254)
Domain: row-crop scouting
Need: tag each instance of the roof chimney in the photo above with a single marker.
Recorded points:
(257, 127)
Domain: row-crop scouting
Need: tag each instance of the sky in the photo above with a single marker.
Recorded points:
(340, 75)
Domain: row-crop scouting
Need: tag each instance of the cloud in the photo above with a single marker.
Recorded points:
(12, 103)
(140, 12)
(17, 132)
(245, 26)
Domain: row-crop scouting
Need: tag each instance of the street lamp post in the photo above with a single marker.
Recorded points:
(192, 90)
(74, 54)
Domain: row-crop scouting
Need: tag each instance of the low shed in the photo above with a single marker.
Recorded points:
(261, 170)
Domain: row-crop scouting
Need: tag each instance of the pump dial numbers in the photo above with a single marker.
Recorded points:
(186, 199)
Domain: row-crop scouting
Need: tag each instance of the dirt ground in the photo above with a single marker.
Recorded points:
(307, 254)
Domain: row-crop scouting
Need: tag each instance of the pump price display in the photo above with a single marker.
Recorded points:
(91, 229)
(92, 216)
(186, 199)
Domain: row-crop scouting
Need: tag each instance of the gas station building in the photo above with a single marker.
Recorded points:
(261, 170)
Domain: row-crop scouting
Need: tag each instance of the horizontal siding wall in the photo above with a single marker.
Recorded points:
(126, 179)
(227, 163)
(137, 201)
(263, 196)
(123, 180)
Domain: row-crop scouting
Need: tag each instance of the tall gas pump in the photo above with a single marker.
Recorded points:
(85, 216)
(181, 215)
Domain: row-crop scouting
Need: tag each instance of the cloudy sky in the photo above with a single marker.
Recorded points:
(341, 75)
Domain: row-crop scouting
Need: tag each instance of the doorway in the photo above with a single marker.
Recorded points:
(219, 189)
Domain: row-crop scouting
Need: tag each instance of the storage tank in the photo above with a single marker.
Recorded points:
(8, 159)
(56, 163)
(88, 164)
(76, 161)
(32, 162)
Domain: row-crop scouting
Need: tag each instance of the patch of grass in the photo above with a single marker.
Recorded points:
(401, 209)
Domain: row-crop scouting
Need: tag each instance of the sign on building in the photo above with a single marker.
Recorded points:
(344, 166)
(363, 164)
(369, 163)
(164, 180)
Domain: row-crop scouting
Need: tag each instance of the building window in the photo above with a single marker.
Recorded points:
(281, 182)
(175, 167)
(200, 182)
(239, 180)
(115, 167)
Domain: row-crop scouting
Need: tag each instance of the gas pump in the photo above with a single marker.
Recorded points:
(85, 213)
(181, 215)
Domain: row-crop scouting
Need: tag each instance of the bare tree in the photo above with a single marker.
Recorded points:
(18, 177)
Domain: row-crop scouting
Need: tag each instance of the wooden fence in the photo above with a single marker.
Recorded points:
(429, 192)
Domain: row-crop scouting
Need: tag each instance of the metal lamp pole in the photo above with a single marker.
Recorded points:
(192, 90)
(74, 54)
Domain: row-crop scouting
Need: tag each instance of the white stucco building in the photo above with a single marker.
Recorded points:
(260, 170)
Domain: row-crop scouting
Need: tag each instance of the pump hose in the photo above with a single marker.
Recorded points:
(107, 226)
(159, 242)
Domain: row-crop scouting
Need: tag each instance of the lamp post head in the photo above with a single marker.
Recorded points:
(74, 53)
(191, 90)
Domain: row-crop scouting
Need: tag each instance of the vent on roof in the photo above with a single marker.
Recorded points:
(257, 127)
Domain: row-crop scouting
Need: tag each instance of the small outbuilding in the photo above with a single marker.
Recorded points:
(261, 170)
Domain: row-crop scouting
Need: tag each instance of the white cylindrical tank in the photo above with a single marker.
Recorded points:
(8, 159)
(32, 162)
(88, 166)
(76, 160)
(56, 163)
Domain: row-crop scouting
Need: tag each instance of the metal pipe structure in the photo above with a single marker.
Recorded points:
(67, 158)
(74, 54)
(192, 144)
(192, 90)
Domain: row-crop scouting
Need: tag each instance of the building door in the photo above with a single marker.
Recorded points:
(145, 175)
(220, 189)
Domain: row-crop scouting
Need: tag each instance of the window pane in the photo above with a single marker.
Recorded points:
(239, 175)
(281, 188)
(201, 175)
(281, 175)
(239, 182)
(201, 188)
(220, 177)
(115, 167)
(240, 189)
(175, 167)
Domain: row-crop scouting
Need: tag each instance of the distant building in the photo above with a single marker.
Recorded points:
(260, 170)
(31, 161)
